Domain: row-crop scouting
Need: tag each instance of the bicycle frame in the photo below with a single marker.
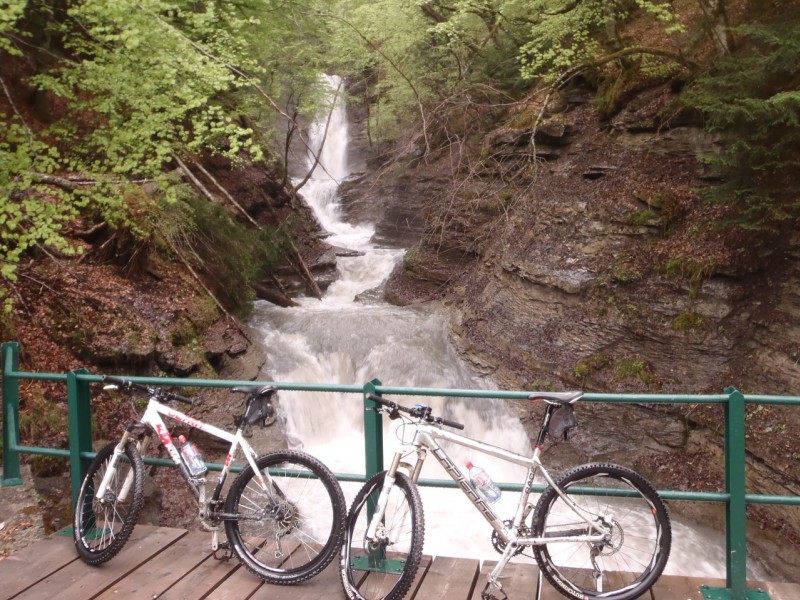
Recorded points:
(426, 438)
(154, 424)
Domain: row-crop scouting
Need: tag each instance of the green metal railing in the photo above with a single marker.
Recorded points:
(735, 496)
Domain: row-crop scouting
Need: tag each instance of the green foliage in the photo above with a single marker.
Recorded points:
(752, 100)
(568, 33)
(232, 256)
(153, 81)
(26, 219)
(137, 82)
(10, 12)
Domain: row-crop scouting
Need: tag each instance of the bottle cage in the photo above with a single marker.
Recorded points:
(562, 420)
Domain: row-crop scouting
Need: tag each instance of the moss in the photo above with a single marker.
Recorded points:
(689, 268)
(628, 368)
(688, 321)
(591, 365)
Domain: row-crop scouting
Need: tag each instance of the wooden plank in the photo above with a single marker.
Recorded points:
(450, 578)
(424, 566)
(243, 583)
(164, 570)
(79, 581)
(33, 563)
(519, 580)
(325, 585)
(779, 591)
(683, 588)
(198, 583)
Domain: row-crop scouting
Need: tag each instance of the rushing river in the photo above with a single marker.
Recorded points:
(352, 336)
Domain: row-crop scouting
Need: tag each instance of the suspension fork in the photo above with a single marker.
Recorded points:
(111, 471)
(388, 482)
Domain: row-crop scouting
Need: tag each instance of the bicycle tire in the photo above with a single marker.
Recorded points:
(371, 573)
(635, 556)
(293, 538)
(100, 529)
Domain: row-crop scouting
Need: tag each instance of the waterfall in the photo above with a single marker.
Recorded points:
(350, 337)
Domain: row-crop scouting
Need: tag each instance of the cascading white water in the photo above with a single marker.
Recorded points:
(342, 340)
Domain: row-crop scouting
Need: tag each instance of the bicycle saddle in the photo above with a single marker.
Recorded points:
(255, 390)
(557, 397)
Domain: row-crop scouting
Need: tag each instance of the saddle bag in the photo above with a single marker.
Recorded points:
(562, 421)
(261, 410)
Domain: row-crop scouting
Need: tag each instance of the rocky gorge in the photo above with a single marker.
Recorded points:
(578, 254)
(573, 252)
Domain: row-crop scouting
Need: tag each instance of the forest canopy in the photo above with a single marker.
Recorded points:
(102, 98)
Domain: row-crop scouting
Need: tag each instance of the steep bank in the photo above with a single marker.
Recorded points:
(596, 265)
(160, 318)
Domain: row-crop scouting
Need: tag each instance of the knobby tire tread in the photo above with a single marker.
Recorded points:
(333, 545)
(93, 557)
(410, 491)
(552, 573)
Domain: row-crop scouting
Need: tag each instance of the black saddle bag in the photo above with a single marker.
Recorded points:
(261, 410)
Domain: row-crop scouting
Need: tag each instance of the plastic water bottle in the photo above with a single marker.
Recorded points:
(191, 457)
(483, 483)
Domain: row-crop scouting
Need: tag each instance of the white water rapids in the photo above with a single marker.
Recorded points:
(349, 337)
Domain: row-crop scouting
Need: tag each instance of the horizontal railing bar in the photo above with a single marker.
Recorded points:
(408, 391)
(760, 399)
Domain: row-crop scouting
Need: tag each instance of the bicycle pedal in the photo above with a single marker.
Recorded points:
(225, 549)
(487, 595)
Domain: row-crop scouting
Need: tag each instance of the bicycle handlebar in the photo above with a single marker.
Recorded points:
(126, 385)
(420, 411)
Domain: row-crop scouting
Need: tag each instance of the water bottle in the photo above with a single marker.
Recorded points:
(191, 457)
(483, 483)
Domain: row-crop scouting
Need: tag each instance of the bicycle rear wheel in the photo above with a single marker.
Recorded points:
(620, 568)
(384, 569)
(292, 531)
(101, 527)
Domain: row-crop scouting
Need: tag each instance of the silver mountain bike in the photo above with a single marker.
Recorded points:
(283, 516)
(597, 531)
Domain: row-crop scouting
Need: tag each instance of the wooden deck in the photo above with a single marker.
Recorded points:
(166, 563)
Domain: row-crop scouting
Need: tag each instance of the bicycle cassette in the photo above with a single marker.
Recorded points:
(500, 546)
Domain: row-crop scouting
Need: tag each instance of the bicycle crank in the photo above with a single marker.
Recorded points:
(500, 546)
(486, 594)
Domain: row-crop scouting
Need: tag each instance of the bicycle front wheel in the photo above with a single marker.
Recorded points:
(385, 567)
(101, 526)
(292, 530)
(624, 565)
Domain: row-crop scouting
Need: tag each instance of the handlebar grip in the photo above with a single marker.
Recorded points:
(124, 384)
(127, 385)
(179, 398)
(115, 380)
(385, 402)
(452, 424)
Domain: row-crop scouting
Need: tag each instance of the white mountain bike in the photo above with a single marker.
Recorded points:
(283, 515)
(597, 531)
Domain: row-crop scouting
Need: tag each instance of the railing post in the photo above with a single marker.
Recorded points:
(10, 432)
(373, 433)
(80, 428)
(735, 485)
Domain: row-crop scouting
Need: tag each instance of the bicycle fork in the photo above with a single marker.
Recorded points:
(111, 473)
